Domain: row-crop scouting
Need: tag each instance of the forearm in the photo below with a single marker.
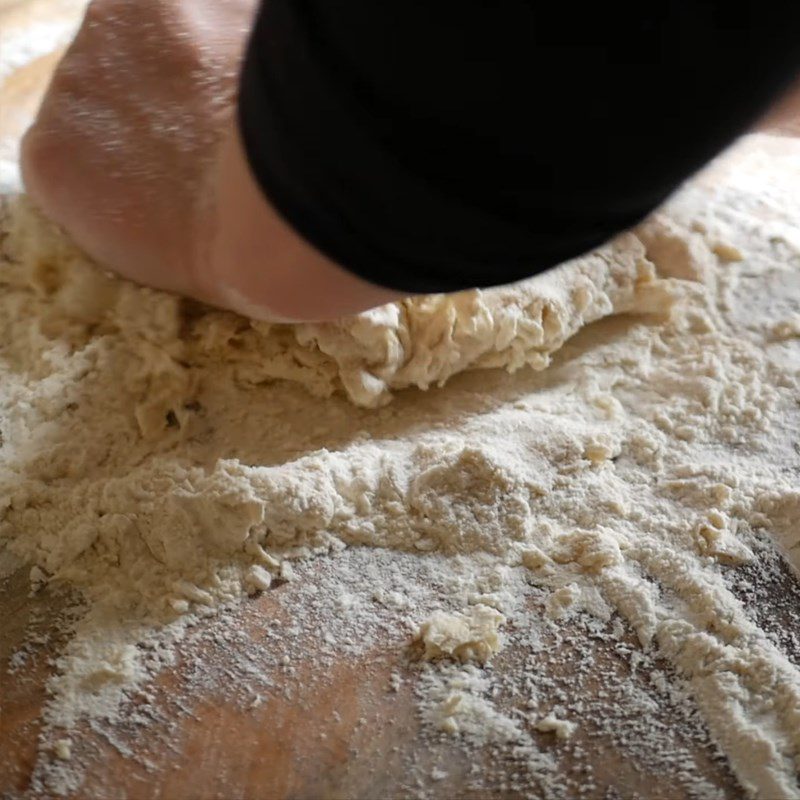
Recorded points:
(403, 144)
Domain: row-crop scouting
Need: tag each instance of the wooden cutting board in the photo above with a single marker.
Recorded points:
(338, 730)
(21, 91)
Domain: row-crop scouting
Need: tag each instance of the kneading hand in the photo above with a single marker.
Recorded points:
(136, 153)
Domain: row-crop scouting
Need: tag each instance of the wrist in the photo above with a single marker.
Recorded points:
(258, 265)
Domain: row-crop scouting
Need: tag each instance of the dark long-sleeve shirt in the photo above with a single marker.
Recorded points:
(434, 146)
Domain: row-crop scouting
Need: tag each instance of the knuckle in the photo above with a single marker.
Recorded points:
(31, 158)
(39, 159)
(31, 148)
(101, 12)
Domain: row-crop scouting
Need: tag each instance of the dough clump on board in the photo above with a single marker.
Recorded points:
(562, 728)
(419, 342)
(472, 635)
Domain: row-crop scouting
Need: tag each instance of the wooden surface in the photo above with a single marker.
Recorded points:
(22, 90)
(332, 730)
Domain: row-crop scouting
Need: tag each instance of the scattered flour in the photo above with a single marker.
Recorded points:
(454, 701)
(165, 460)
(29, 31)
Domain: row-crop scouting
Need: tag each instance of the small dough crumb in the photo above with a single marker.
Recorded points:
(473, 635)
(787, 328)
(727, 253)
(562, 728)
(62, 749)
(257, 579)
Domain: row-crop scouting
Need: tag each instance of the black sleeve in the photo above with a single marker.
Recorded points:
(433, 146)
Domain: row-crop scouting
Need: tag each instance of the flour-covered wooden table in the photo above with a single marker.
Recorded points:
(561, 582)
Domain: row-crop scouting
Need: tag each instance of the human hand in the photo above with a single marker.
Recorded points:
(122, 148)
(135, 152)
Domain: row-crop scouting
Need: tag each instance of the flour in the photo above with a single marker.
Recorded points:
(41, 39)
(166, 460)
(454, 701)
(28, 33)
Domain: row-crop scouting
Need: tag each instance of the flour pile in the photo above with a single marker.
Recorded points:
(164, 459)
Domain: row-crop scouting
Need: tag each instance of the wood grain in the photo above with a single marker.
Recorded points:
(332, 730)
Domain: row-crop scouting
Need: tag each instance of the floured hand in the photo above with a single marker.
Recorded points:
(129, 129)
(136, 154)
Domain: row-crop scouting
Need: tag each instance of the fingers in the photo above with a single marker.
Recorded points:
(128, 154)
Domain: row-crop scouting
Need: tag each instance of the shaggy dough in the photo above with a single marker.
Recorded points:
(422, 341)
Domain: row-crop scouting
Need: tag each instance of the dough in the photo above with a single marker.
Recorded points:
(419, 342)
(469, 636)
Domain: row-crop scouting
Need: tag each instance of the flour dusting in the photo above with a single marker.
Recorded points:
(163, 462)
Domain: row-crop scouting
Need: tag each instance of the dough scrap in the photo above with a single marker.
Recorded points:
(419, 342)
(470, 635)
(562, 728)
